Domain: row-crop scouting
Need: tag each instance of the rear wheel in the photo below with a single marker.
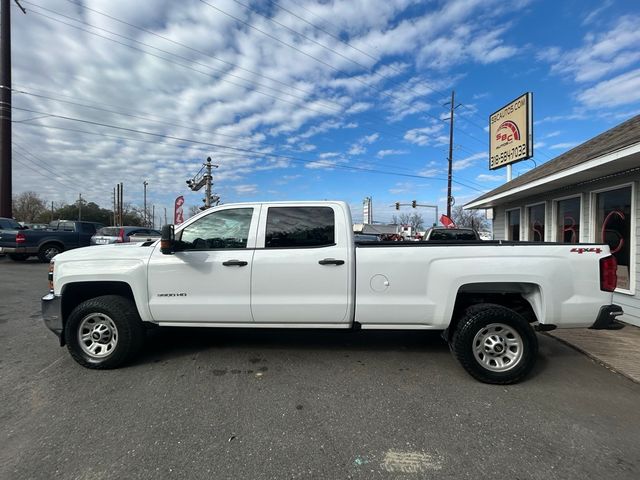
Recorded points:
(18, 257)
(48, 251)
(104, 332)
(495, 344)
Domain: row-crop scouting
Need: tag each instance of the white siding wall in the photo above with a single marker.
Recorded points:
(630, 303)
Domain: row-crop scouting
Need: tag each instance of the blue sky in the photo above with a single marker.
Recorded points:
(300, 100)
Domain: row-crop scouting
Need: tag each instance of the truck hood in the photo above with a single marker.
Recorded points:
(122, 251)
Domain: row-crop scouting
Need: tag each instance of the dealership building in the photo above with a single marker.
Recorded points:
(588, 194)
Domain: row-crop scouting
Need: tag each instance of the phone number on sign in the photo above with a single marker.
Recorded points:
(515, 153)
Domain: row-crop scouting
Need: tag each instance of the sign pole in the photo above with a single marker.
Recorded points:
(509, 173)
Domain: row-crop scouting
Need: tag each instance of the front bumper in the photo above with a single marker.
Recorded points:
(52, 314)
(607, 318)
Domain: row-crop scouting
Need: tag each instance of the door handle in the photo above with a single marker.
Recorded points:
(235, 263)
(331, 261)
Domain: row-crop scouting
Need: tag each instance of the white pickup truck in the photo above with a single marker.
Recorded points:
(295, 265)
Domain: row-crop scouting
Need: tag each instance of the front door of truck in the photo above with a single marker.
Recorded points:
(209, 280)
(301, 268)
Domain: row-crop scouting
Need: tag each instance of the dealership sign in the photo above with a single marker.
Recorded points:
(511, 133)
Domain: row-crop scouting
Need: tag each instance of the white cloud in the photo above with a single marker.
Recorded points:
(563, 146)
(246, 189)
(621, 90)
(469, 161)
(359, 148)
(484, 177)
(391, 151)
(602, 53)
(426, 135)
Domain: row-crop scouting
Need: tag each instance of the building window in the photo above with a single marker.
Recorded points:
(568, 220)
(613, 223)
(536, 223)
(513, 225)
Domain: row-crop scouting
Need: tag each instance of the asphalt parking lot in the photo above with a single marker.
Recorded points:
(204, 403)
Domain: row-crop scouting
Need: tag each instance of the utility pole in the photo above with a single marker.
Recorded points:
(114, 206)
(79, 207)
(207, 198)
(153, 216)
(165, 215)
(6, 187)
(146, 215)
(5, 109)
(450, 175)
(52, 211)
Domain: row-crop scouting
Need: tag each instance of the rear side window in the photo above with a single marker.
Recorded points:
(108, 232)
(9, 225)
(300, 227)
(88, 228)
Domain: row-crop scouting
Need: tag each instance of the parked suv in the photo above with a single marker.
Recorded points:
(107, 235)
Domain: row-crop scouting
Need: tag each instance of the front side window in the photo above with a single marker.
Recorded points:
(613, 223)
(222, 229)
(536, 223)
(300, 227)
(513, 225)
(568, 220)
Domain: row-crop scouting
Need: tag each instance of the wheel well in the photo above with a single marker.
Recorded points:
(51, 242)
(513, 296)
(73, 294)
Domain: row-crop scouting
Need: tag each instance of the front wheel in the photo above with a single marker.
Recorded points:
(104, 332)
(495, 344)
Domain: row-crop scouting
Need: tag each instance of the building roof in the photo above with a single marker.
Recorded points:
(617, 138)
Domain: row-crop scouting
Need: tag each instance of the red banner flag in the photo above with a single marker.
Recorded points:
(447, 222)
(178, 216)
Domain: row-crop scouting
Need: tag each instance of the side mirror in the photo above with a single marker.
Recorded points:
(167, 240)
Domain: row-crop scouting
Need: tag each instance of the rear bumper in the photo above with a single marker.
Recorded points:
(607, 318)
(52, 314)
(33, 250)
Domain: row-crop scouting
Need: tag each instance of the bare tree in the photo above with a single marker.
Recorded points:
(415, 220)
(475, 219)
(193, 210)
(28, 206)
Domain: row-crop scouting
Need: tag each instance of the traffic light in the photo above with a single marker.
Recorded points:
(397, 205)
(413, 203)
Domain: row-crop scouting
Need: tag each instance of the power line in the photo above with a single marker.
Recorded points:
(175, 42)
(359, 80)
(337, 110)
(247, 87)
(66, 185)
(235, 149)
(390, 66)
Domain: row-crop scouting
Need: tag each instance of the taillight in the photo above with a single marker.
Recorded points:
(50, 276)
(20, 238)
(121, 236)
(608, 275)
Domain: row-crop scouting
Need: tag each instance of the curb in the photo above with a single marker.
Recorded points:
(593, 357)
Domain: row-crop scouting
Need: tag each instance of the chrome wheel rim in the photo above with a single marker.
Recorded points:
(498, 347)
(97, 335)
(51, 252)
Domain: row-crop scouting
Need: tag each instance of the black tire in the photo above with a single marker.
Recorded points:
(125, 329)
(49, 250)
(18, 257)
(484, 332)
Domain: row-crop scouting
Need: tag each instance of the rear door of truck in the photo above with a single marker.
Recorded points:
(303, 265)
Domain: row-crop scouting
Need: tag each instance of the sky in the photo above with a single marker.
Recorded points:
(306, 100)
